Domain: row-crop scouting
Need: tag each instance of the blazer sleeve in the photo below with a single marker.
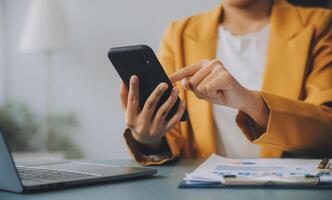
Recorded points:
(302, 127)
(173, 140)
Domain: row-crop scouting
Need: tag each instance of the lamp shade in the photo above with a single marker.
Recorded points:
(44, 29)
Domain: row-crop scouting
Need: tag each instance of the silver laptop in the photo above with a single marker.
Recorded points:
(48, 175)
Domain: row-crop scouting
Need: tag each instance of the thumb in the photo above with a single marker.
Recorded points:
(186, 84)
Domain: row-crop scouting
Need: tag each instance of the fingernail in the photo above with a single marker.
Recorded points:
(175, 91)
(133, 79)
(186, 84)
(163, 86)
(183, 82)
(190, 85)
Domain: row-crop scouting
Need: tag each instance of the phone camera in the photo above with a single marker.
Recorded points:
(146, 59)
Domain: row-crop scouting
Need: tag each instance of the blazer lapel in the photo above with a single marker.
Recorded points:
(200, 43)
(287, 52)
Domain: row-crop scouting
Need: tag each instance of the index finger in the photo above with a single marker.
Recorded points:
(185, 72)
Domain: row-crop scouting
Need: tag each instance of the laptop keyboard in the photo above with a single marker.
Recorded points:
(32, 174)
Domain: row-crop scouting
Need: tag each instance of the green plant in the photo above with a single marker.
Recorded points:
(59, 130)
(18, 126)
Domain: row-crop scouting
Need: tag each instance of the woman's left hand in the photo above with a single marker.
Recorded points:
(210, 80)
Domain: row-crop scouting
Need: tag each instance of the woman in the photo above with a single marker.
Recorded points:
(257, 80)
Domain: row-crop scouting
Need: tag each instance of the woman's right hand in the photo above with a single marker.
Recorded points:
(146, 129)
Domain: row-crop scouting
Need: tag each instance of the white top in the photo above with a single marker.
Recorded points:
(244, 57)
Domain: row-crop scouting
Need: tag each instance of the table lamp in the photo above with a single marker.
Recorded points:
(44, 32)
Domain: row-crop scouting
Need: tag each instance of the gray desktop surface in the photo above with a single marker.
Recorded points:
(165, 186)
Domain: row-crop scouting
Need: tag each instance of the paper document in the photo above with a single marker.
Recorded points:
(215, 168)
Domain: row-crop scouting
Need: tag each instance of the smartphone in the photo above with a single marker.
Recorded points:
(141, 61)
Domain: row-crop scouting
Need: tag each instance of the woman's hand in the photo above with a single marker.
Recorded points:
(146, 129)
(211, 81)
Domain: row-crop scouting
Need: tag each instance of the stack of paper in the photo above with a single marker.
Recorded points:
(216, 168)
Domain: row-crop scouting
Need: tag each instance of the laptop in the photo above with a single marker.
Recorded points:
(35, 176)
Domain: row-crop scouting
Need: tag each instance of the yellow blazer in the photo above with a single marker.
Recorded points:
(297, 85)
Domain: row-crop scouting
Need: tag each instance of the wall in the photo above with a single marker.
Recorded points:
(85, 81)
(2, 45)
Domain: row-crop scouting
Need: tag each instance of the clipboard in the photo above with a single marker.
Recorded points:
(184, 185)
(263, 182)
(232, 181)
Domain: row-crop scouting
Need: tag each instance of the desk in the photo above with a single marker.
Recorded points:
(164, 186)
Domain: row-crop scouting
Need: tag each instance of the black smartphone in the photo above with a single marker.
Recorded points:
(141, 61)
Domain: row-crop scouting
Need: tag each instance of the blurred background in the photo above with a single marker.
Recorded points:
(58, 90)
